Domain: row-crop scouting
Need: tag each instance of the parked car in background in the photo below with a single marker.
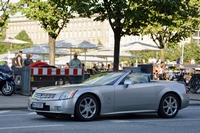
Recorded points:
(110, 93)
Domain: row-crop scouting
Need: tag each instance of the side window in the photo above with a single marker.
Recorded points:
(122, 82)
(136, 78)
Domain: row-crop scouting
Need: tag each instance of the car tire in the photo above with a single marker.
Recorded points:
(7, 90)
(87, 108)
(169, 106)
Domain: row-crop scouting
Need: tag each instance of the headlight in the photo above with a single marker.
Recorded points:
(67, 95)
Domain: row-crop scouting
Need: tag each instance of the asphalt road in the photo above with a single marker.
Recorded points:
(23, 121)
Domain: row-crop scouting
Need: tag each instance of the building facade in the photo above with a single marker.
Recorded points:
(78, 29)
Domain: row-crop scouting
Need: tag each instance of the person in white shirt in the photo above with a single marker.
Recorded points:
(192, 61)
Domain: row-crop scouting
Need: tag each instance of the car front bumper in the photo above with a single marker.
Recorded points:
(52, 106)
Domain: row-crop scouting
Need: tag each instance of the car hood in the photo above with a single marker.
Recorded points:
(63, 88)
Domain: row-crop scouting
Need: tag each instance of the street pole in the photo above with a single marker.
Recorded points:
(182, 53)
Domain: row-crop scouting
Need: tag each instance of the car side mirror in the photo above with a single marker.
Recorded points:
(128, 82)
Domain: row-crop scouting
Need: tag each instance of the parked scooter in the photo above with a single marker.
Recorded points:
(7, 84)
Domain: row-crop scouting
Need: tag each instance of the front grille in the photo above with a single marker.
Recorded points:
(44, 95)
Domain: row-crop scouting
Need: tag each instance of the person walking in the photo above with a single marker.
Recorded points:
(28, 60)
(75, 62)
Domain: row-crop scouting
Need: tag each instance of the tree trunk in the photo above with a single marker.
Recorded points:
(162, 55)
(117, 38)
(51, 50)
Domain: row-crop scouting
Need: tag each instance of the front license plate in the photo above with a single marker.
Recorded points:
(37, 105)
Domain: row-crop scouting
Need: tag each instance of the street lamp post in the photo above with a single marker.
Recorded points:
(182, 53)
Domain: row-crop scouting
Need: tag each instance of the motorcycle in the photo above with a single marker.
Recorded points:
(7, 84)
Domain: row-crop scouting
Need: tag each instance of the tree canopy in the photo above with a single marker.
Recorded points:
(53, 16)
(4, 5)
(24, 37)
(120, 14)
(171, 21)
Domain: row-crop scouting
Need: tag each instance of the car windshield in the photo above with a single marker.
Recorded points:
(103, 78)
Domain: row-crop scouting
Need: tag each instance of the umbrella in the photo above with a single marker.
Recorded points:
(64, 59)
(85, 45)
(139, 46)
(34, 57)
(43, 51)
(108, 52)
(11, 41)
(62, 44)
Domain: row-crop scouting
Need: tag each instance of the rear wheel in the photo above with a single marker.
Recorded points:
(169, 106)
(86, 108)
(7, 89)
(195, 85)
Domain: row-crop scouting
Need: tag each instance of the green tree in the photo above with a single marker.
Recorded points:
(4, 14)
(24, 37)
(191, 50)
(53, 16)
(171, 21)
(3, 47)
(120, 14)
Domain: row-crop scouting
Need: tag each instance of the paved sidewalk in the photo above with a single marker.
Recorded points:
(17, 101)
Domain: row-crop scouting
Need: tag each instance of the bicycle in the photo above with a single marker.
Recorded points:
(193, 84)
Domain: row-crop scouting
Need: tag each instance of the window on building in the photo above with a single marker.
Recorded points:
(99, 33)
(79, 34)
(66, 34)
(196, 33)
(38, 35)
(84, 34)
(43, 35)
(89, 32)
(94, 33)
(70, 34)
(197, 41)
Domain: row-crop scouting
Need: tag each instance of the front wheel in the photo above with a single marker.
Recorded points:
(86, 108)
(169, 106)
(7, 89)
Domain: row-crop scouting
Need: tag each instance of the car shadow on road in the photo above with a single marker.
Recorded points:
(102, 118)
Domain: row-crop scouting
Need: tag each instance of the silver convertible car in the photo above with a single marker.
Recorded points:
(111, 93)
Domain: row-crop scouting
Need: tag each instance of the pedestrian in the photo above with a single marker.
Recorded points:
(178, 60)
(192, 61)
(109, 67)
(67, 65)
(14, 60)
(19, 59)
(75, 62)
(95, 68)
(84, 68)
(28, 60)
(102, 67)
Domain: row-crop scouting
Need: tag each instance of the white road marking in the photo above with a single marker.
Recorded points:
(120, 121)
(5, 111)
(156, 120)
(20, 127)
